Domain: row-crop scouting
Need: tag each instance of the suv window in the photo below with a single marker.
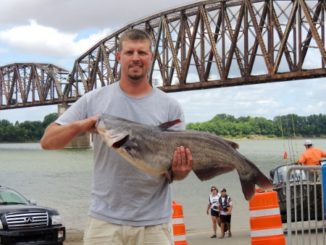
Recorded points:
(296, 175)
(9, 197)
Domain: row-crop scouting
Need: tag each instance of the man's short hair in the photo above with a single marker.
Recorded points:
(134, 35)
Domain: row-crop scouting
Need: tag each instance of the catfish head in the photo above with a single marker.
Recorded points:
(129, 139)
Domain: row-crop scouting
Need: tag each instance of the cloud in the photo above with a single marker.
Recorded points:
(304, 97)
(35, 38)
(74, 15)
(43, 40)
(3, 51)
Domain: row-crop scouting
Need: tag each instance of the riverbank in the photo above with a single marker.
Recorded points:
(75, 237)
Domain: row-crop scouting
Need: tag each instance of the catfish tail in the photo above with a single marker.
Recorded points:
(253, 176)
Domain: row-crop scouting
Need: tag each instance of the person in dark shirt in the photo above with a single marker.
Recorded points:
(225, 207)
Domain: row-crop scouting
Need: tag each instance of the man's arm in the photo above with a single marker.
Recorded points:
(301, 160)
(57, 136)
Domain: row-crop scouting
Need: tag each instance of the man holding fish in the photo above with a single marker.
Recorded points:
(141, 128)
(128, 206)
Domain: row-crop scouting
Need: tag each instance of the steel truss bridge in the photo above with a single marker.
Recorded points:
(202, 45)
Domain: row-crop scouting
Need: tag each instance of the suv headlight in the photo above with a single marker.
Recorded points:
(56, 220)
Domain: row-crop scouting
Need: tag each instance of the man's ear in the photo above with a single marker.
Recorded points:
(152, 57)
(118, 56)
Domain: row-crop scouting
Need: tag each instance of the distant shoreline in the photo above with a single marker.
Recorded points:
(264, 137)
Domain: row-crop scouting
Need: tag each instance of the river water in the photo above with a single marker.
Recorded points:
(61, 179)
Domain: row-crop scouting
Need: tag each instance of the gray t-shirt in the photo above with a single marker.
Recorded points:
(122, 194)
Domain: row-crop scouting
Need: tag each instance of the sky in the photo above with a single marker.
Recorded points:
(59, 31)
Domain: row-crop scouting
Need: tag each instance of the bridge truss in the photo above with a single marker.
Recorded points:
(214, 44)
(32, 84)
(220, 43)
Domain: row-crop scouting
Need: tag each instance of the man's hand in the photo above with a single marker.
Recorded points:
(182, 163)
(87, 125)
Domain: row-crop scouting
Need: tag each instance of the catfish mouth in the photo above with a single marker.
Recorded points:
(121, 142)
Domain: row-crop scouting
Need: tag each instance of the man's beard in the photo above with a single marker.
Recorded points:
(136, 77)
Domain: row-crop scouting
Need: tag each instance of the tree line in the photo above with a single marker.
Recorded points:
(27, 131)
(290, 125)
(222, 124)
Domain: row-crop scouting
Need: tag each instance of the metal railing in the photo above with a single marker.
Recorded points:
(305, 217)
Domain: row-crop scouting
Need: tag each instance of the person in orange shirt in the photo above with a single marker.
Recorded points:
(312, 155)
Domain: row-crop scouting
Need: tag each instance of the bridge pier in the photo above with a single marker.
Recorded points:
(81, 141)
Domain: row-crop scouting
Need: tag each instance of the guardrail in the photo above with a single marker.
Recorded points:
(305, 215)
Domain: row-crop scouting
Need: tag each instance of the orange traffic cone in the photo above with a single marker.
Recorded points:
(265, 219)
(179, 228)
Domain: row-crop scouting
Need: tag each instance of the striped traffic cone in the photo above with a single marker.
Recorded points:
(179, 228)
(265, 219)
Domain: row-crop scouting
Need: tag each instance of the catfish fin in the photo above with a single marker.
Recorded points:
(248, 188)
(248, 185)
(232, 144)
(208, 173)
(169, 124)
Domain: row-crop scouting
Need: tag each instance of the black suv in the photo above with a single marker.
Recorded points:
(23, 222)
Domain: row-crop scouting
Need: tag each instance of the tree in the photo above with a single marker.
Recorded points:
(282, 126)
(48, 119)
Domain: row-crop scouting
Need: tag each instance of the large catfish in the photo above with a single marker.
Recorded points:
(150, 149)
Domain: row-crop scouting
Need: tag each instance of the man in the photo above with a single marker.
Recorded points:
(312, 155)
(127, 206)
(225, 207)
